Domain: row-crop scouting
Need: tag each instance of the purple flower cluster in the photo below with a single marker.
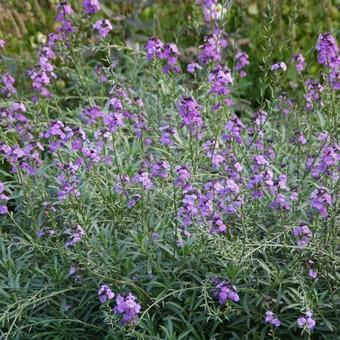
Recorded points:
(328, 55)
(313, 95)
(91, 6)
(242, 60)
(43, 73)
(212, 11)
(213, 47)
(303, 235)
(144, 179)
(234, 128)
(280, 66)
(224, 291)
(160, 169)
(3, 199)
(321, 200)
(75, 237)
(271, 319)
(189, 110)
(105, 294)
(2, 43)
(327, 164)
(103, 27)
(220, 78)
(156, 49)
(307, 321)
(299, 62)
(127, 308)
(7, 82)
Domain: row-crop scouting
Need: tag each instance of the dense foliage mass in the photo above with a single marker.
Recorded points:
(143, 195)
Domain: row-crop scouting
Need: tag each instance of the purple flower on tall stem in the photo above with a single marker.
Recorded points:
(328, 51)
(189, 110)
(213, 46)
(321, 200)
(91, 6)
(2, 43)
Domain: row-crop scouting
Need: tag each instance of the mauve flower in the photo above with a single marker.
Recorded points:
(313, 274)
(75, 237)
(306, 321)
(192, 67)
(299, 62)
(242, 60)
(2, 43)
(321, 200)
(8, 81)
(127, 308)
(303, 235)
(91, 6)
(328, 51)
(103, 27)
(213, 46)
(3, 210)
(189, 110)
(224, 291)
(105, 294)
(271, 319)
(280, 66)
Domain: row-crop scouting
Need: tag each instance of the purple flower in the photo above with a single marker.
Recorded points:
(189, 110)
(2, 43)
(313, 274)
(8, 82)
(183, 175)
(224, 291)
(220, 78)
(75, 237)
(328, 51)
(213, 46)
(103, 27)
(144, 179)
(192, 67)
(92, 114)
(280, 66)
(320, 200)
(105, 294)
(242, 60)
(299, 62)
(3, 210)
(160, 169)
(271, 319)
(91, 6)
(234, 127)
(306, 321)
(313, 95)
(156, 49)
(127, 308)
(334, 78)
(303, 235)
(153, 48)
(211, 9)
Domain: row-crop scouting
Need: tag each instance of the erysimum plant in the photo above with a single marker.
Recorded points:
(143, 197)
